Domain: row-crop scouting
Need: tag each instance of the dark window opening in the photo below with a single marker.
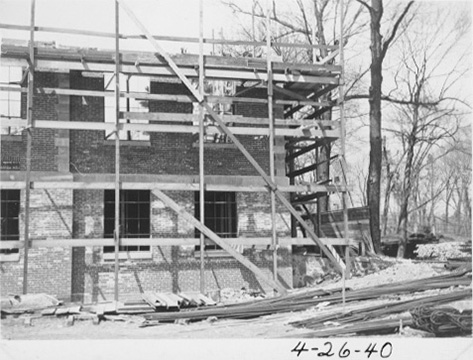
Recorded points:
(220, 215)
(10, 207)
(134, 217)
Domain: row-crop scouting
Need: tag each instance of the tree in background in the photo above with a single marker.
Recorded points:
(427, 111)
(379, 49)
(306, 20)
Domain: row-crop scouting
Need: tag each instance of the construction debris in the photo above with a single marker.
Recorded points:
(303, 300)
(18, 304)
(443, 321)
(397, 307)
(357, 321)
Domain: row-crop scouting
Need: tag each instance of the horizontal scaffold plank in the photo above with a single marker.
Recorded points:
(162, 97)
(237, 119)
(149, 70)
(194, 129)
(165, 186)
(245, 241)
(164, 38)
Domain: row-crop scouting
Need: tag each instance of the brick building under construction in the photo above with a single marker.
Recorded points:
(125, 172)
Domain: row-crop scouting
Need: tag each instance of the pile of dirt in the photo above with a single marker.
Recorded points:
(229, 295)
(443, 251)
(393, 270)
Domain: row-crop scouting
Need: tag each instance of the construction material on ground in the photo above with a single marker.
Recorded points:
(378, 327)
(303, 300)
(443, 321)
(341, 319)
(17, 304)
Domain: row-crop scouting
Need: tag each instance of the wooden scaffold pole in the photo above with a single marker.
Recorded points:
(201, 146)
(29, 140)
(274, 242)
(117, 148)
(341, 99)
(328, 250)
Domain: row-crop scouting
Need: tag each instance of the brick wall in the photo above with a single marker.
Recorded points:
(172, 268)
(45, 107)
(49, 269)
(168, 153)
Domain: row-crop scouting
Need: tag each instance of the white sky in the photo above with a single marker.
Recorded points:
(160, 17)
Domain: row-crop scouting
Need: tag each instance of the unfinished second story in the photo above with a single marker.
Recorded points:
(159, 117)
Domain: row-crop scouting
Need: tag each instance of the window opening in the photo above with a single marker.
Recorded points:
(10, 207)
(134, 217)
(132, 84)
(220, 215)
(10, 101)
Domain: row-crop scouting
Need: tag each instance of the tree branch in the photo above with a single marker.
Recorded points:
(365, 5)
(390, 39)
(394, 100)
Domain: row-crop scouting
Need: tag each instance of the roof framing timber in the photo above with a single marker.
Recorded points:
(164, 38)
(250, 74)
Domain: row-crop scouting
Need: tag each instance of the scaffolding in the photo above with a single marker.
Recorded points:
(292, 86)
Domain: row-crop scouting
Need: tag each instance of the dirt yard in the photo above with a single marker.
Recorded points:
(37, 327)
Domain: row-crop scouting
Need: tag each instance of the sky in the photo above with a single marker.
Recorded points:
(163, 17)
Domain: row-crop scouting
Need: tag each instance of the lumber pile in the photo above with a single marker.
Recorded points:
(351, 322)
(303, 300)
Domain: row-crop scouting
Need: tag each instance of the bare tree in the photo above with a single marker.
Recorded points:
(425, 79)
(379, 49)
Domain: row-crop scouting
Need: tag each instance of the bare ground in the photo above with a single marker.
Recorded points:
(273, 326)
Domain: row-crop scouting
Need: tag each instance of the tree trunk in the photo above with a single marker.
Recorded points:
(376, 146)
(323, 158)
(406, 192)
(388, 189)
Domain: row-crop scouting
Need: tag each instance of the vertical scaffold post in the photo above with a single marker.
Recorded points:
(341, 90)
(274, 239)
(117, 146)
(201, 146)
(29, 140)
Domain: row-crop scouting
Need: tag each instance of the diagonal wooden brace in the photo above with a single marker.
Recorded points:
(328, 250)
(219, 241)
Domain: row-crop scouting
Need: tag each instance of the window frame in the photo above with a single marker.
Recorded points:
(10, 196)
(135, 209)
(215, 202)
(137, 137)
(11, 97)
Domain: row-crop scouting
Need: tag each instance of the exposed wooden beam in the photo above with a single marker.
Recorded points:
(201, 146)
(163, 38)
(82, 185)
(149, 70)
(116, 232)
(301, 152)
(81, 125)
(304, 198)
(98, 242)
(302, 171)
(314, 95)
(160, 97)
(29, 140)
(235, 119)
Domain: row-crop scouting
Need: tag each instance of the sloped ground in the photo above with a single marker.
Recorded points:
(386, 271)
